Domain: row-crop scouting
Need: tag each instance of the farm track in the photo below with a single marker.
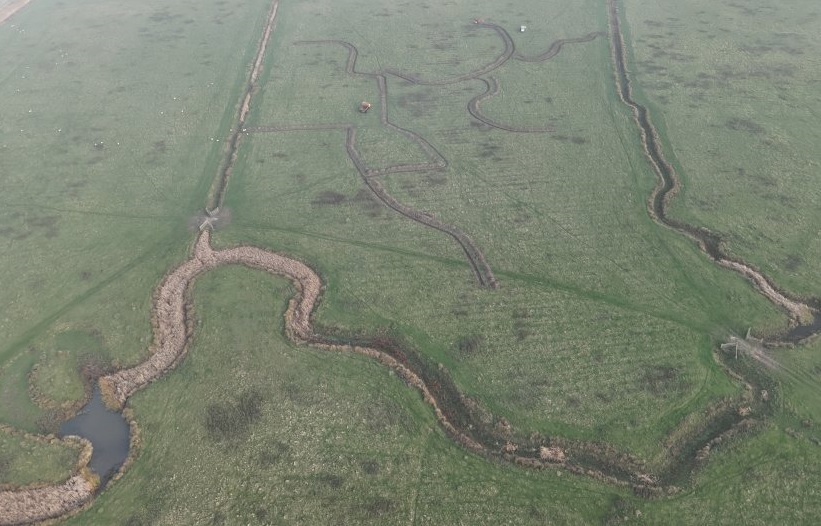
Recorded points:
(492, 88)
(556, 47)
(436, 162)
(510, 48)
(460, 417)
(804, 316)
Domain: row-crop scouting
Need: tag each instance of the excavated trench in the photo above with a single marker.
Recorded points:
(804, 315)
(462, 418)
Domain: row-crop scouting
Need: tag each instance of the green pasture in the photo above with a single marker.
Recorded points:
(112, 131)
(734, 86)
(24, 461)
(105, 152)
(322, 438)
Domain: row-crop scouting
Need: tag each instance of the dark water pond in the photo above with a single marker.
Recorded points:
(107, 431)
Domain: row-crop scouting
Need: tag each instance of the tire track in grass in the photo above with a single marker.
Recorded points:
(491, 90)
(556, 47)
(436, 162)
(460, 417)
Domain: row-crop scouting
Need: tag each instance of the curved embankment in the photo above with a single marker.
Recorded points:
(804, 317)
(481, 269)
(38, 504)
(436, 161)
(492, 86)
(459, 416)
(42, 502)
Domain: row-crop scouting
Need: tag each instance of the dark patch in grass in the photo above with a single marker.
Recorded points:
(159, 147)
(228, 421)
(418, 103)
(660, 380)
(373, 207)
(520, 324)
(470, 345)
(435, 180)
(329, 480)
(261, 514)
(299, 395)
(621, 512)
(5, 465)
(379, 506)
(793, 262)
(387, 413)
(535, 513)
(328, 198)
(369, 467)
(218, 518)
(274, 454)
(744, 125)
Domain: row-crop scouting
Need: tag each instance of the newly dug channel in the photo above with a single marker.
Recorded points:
(804, 316)
(172, 328)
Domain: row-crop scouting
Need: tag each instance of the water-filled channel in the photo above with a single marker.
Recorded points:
(108, 433)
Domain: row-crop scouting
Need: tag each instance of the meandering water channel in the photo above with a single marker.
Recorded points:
(108, 432)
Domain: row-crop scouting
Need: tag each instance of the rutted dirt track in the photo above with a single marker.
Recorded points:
(436, 161)
(492, 89)
(459, 416)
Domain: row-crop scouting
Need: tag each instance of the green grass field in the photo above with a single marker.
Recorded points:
(113, 127)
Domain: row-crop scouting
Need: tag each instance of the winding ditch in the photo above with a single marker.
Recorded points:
(460, 417)
(804, 315)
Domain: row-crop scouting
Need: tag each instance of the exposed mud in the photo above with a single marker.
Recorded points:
(32, 505)
(804, 316)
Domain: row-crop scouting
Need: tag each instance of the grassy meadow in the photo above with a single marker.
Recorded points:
(735, 87)
(106, 151)
(113, 127)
